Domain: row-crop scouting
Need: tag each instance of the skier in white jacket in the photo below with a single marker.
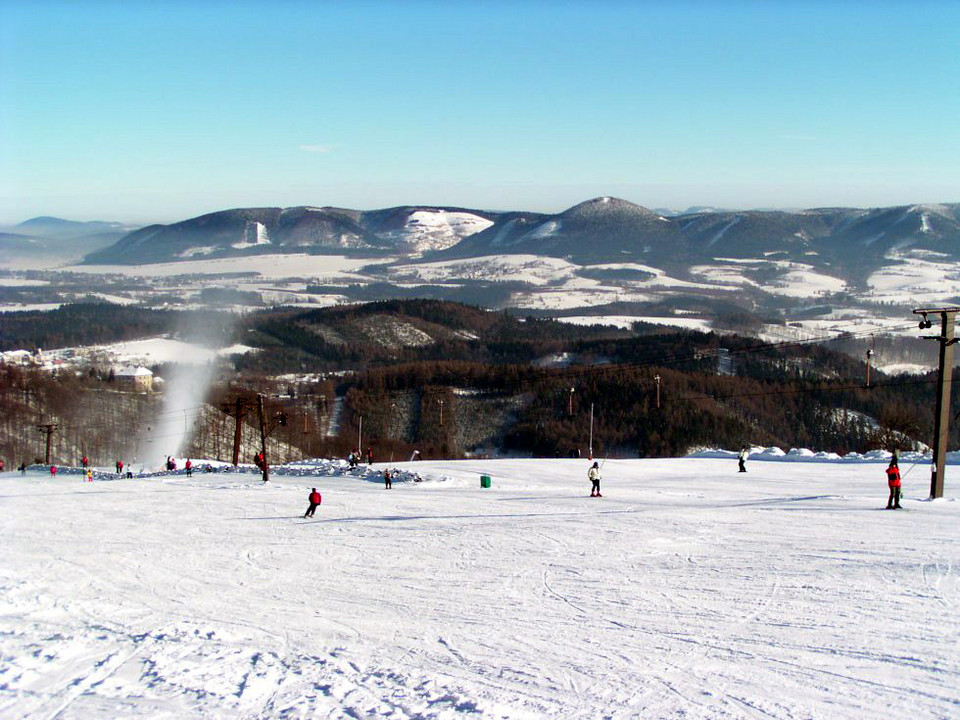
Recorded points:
(593, 474)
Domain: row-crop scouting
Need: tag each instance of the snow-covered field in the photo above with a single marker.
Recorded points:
(626, 321)
(918, 276)
(688, 590)
(150, 351)
(273, 267)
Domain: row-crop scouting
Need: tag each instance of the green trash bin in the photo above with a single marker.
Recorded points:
(484, 481)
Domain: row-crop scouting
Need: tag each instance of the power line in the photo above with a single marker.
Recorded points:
(800, 391)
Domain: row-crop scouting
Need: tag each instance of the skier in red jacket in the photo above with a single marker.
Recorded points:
(893, 480)
(314, 502)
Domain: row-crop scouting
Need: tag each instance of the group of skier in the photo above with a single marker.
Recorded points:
(355, 458)
(893, 477)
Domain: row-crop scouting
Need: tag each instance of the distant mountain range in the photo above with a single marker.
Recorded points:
(67, 239)
(605, 230)
(404, 230)
(849, 242)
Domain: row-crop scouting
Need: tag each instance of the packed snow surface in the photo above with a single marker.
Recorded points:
(687, 591)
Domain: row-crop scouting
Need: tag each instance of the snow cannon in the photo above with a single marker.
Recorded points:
(485, 481)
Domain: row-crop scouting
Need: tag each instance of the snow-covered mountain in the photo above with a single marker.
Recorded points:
(852, 243)
(407, 230)
(598, 252)
(846, 242)
(603, 229)
(422, 229)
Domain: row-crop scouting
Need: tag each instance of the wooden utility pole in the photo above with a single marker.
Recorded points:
(49, 429)
(238, 410)
(941, 419)
(263, 439)
(590, 446)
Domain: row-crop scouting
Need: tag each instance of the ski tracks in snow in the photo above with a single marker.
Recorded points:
(185, 669)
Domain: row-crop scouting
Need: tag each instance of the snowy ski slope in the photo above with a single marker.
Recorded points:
(687, 591)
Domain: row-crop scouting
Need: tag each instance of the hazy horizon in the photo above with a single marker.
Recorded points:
(134, 221)
(160, 112)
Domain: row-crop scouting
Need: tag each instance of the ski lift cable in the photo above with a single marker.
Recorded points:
(669, 360)
(800, 391)
(581, 371)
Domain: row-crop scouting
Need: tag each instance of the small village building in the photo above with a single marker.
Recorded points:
(134, 379)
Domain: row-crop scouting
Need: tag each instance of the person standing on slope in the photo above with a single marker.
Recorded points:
(314, 500)
(742, 459)
(387, 480)
(593, 474)
(893, 481)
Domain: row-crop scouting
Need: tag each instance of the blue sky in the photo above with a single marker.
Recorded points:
(160, 111)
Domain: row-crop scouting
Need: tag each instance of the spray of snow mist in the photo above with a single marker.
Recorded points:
(184, 394)
(186, 387)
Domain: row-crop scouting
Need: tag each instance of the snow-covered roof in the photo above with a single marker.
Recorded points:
(130, 371)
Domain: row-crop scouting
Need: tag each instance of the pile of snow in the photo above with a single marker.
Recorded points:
(316, 468)
(805, 455)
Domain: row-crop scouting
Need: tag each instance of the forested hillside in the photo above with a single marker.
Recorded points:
(451, 380)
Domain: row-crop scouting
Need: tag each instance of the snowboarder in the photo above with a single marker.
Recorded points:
(742, 459)
(119, 467)
(84, 461)
(189, 467)
(593, 474)
(387, 480)
(314, 500)
(893, 481)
